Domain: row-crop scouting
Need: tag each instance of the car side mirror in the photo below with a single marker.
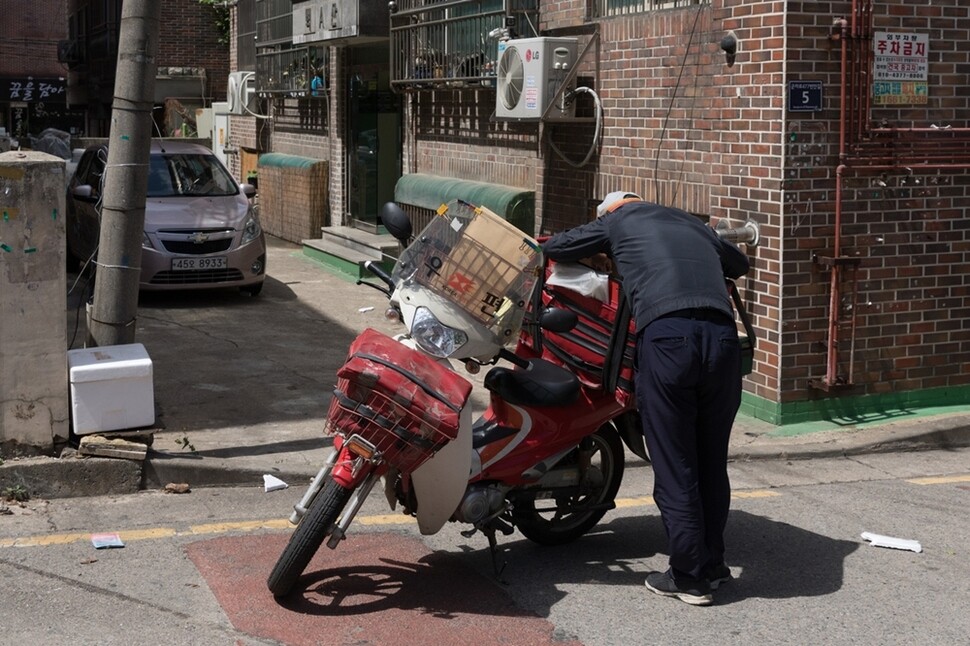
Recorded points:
(249, 190)
(84, 193)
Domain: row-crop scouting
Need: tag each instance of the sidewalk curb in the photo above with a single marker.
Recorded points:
(837, 445)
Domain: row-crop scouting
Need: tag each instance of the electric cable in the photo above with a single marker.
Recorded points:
(245, 79)
(670, 106)
(596, 132)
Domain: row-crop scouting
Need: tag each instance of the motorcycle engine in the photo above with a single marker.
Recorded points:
(480, 502)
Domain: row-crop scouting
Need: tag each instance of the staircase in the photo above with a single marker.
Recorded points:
(343, 250)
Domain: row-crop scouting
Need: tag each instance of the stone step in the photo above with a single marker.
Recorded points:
(343, 259)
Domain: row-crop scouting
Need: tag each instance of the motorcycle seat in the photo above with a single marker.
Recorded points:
(542, 384)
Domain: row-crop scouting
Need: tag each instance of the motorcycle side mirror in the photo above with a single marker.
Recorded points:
(397, 222)
(557, 319)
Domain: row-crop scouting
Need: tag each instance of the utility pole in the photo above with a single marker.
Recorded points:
(113, 314)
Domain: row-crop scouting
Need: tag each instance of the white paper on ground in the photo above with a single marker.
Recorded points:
(878, 540)
(272, 483)
(102, 541)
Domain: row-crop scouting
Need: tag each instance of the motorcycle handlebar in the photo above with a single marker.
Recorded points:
(377, 270)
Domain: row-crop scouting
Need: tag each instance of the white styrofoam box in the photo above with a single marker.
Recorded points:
(111, 388)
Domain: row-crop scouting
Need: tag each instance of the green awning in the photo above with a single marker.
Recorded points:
(286, 161)
(514, 204)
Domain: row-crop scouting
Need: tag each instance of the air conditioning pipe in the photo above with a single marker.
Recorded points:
(749, 233)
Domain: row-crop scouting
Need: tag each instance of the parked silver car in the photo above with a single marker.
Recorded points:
(201, 230)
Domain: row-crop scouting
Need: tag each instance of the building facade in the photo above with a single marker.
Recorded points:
(33, 82)
(193, 62)
(840, 130)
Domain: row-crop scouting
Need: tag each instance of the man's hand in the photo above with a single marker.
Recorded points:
(600, 262)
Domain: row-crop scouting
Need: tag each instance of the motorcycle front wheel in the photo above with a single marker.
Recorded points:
(306, 539)
(564, 518)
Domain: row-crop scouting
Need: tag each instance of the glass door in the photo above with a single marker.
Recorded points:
(373, 135)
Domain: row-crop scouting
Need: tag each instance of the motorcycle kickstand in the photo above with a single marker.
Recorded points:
(494, 551)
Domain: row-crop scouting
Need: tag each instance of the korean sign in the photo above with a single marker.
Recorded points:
(899, 69)
(28, 89)
(323, 20)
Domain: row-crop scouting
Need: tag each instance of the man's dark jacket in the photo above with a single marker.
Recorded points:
(669, 260)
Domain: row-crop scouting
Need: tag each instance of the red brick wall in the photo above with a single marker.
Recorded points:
(293, 201)
(189, 38)
(29, 32)
(908, 230)
(683, 128)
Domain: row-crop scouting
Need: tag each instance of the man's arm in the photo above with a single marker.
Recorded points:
(733, 261)
(578, 243)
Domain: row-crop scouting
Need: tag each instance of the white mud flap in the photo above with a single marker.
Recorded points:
(440, 483)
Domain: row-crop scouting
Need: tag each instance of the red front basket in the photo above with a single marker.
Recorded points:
(403, 402)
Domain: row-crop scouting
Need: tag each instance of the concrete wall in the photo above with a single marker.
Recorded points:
(33, 335)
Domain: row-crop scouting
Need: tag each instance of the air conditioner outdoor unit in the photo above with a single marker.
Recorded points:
(241, 92)
(530, 72)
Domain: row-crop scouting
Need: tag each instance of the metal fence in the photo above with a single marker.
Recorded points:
(453, 43)
(610, 8)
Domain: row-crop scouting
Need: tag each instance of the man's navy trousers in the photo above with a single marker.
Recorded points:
(688, 388)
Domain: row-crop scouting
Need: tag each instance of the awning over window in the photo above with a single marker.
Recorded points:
(515, 204)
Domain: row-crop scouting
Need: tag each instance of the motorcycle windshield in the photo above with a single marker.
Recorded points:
(478, 262)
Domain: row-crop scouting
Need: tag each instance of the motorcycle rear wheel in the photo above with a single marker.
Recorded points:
(306, 539)
(575, 515)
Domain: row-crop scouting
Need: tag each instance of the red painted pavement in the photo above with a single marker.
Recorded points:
(375, 589)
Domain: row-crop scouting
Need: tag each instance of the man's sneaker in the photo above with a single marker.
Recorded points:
(694, 592)
(717, 575)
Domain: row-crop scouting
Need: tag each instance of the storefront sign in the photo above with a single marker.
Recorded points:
(900, 68)
(322, 20)
(32, 90)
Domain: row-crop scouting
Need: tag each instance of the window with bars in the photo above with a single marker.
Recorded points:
(246, 35)
(437, 43)
(287, 70)
(610, 8)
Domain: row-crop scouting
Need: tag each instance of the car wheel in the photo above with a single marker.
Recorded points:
(252, 290)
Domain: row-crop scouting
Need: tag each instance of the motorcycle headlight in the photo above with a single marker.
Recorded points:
(433, 337)
(251, 229)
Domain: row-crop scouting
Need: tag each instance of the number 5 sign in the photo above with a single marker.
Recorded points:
(804, 96)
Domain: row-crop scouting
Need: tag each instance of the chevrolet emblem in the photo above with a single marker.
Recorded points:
(198, 237)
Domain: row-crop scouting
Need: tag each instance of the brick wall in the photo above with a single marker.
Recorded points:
(189, 38)
(293, 202)
(29, 32)
(906, 228)
(682, 128)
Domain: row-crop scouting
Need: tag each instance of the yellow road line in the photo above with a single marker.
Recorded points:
(940, 480)
(244, 526)
(754, 493)
(155, 533)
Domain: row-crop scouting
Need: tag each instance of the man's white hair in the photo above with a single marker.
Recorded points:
(611, 199)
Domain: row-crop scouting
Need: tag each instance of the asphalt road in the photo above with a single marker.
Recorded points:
(193, 568)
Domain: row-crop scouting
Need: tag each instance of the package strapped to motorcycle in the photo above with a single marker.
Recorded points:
(401, 401)
(479, 261)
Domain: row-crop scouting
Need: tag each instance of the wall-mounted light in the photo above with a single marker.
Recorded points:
(730, 46)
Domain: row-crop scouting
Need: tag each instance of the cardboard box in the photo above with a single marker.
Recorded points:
(111, 388)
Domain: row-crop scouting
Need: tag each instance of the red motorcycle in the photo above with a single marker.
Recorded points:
(546, 457)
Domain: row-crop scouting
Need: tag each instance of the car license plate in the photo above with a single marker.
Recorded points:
(189, 264)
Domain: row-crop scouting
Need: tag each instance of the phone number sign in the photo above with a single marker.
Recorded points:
(900, 68)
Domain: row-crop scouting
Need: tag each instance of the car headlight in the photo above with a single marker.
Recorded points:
(251, 229)
(433, 337)
(146, 242)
